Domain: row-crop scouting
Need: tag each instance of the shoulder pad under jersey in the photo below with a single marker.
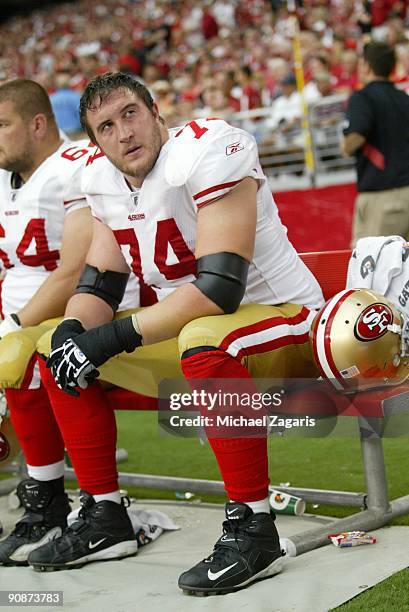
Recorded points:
(189, 143)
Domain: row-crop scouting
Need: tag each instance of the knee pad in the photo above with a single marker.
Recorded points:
(44, 343)
(16, 351)
(201, 333)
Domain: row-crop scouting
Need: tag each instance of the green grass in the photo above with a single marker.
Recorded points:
(328, 463)
(391, 594)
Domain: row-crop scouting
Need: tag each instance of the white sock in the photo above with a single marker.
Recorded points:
(263, 505)
(114, 496)
(46, 472)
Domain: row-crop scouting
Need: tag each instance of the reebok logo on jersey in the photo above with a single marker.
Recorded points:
(136, 217)
(10, 213)
(234, 148)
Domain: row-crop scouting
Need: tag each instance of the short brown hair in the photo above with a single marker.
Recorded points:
(101, 86)
(28, 97)
(380, 57)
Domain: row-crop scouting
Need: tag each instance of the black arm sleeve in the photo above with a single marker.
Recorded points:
(101, 343)
(222, 277)
(108, 285)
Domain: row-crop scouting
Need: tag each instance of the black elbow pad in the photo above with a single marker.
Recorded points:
(109, 286)
(222, 277)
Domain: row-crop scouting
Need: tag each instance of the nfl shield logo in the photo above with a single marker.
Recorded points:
(135, 198)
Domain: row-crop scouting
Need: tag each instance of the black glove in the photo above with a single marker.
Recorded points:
(69, 328)
(75, 363)
(71, 368)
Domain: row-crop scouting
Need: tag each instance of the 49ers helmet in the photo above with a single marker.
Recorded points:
(359, 341)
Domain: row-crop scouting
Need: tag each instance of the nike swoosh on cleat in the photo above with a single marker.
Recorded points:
(217, 575)
(94, 544)
(229, 512)
(31, 486)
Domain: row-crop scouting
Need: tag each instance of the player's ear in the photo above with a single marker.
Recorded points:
(39, 126)
(155, 110)
(156, 114)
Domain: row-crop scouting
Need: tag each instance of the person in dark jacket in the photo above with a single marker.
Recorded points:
(377, 132)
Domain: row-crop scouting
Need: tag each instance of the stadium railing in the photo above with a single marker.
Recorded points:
(282, 153)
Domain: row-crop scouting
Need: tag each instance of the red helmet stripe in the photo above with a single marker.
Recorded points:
(322, 343)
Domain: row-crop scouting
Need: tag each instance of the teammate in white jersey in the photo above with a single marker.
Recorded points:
(193, 214)
(45, 231)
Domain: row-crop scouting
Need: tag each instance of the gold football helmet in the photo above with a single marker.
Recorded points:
(360, 341)
(9, 445)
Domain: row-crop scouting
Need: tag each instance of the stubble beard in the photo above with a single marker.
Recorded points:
(19, 164)
(154, 149)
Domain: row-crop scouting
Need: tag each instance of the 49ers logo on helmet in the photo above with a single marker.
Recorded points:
(4, 447)
(373, 322)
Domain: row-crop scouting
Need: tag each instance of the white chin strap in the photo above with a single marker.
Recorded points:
(403, 331)
(394, 328)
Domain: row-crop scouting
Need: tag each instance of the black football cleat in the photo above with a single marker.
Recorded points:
(44, 520)
(102, 531)
(248, 550)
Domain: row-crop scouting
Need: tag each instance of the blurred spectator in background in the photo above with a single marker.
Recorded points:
(164, 97)
(224, 80)
(324, 84)
(377, 133)
(346, 73)
(127, 60)
(401, 72)
(150, 74)
(216, 103)
(210, 27)
(277, 68)
(381, 10)
(246, 90)
(65, 103)
(286, 113)
(186, 42)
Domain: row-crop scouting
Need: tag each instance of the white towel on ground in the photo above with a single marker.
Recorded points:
(148, 525)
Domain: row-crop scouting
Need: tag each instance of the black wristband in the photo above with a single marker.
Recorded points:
(69, 328)
(15, 318)
(101, 343)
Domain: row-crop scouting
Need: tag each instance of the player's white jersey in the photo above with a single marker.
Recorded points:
(31, 222)
(156, 224)
(32, 218)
